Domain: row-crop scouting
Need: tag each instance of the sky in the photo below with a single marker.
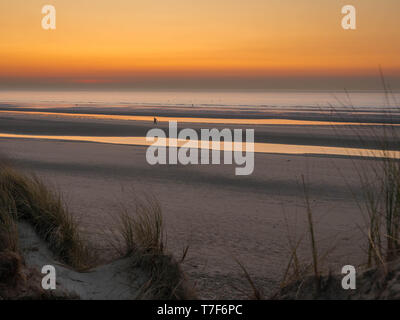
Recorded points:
(213, 44)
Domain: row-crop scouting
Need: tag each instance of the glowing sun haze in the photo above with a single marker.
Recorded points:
(215, 43)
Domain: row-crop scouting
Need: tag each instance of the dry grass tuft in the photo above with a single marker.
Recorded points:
(143, 240)
(143, 230)
(298, 269)
(380, 188)
(256, 293)
(8, 227)
(26, 197)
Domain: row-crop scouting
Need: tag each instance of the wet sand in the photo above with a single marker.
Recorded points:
(324, 134)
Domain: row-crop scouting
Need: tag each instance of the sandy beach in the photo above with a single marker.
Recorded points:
(220, 216)
(192, 152)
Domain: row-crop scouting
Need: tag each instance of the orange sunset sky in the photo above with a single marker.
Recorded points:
(207, 43)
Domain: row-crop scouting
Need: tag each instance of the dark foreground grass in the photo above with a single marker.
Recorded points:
(10, 261)
(141, 230)
(379, 204)
(26, 197)
(8, 227)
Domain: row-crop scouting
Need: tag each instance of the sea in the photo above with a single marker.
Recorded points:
(227, 98)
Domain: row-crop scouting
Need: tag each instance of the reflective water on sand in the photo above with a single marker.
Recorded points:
(257, 147)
